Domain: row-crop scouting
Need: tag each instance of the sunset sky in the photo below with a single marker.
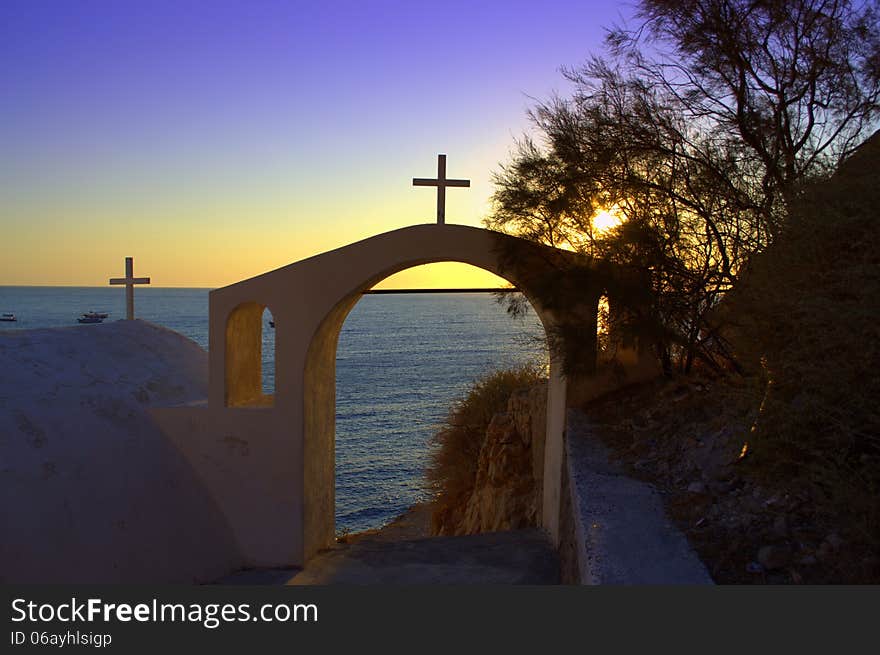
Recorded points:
(214, 141)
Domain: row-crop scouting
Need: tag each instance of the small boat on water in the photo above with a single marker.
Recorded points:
(92, 317)
(9, 318)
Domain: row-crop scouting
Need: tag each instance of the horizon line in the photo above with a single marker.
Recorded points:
(368, 291)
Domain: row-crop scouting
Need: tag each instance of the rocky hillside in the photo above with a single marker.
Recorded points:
(749, 525)
(772, 472)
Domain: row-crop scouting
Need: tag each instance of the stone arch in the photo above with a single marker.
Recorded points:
(320, 381)
(271, 467)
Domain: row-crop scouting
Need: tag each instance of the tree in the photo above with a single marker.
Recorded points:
(795, 82)
(700, 128)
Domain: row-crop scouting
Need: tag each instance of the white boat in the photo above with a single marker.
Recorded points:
(9, 318)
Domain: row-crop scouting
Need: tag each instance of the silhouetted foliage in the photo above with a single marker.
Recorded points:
(701, 128)
(794, 82)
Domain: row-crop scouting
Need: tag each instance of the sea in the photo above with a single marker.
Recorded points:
(402, 362)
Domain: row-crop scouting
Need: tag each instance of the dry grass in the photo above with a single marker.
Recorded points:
(453, 467)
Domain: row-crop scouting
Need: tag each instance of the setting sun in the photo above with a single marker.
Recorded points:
(605, 220)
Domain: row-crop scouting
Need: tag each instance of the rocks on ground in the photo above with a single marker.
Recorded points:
(689, 438)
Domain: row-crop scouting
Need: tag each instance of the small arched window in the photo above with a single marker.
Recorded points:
(244, 357)
(268, 353)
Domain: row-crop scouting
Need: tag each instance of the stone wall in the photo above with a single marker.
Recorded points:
(569, 547)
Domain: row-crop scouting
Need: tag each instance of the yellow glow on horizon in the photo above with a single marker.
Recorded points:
(233, 251)
(443, 275)
(209, 237)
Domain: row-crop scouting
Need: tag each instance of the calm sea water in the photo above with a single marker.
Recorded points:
(402, 360)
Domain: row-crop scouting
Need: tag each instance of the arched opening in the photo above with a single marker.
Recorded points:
(246, 349)
(402, 360)
(604, 344)
(320, 410)
(267, 355)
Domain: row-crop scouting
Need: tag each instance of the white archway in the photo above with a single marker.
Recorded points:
(271, 465)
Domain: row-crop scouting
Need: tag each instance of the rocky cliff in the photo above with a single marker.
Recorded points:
(507, 492)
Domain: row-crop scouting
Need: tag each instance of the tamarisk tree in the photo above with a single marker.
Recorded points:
(699, 128)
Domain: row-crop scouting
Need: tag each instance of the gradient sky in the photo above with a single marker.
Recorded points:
(215, 140)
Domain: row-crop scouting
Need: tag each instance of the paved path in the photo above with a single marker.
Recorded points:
(519, 557)
(620, 525)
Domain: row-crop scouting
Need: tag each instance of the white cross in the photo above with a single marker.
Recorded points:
(441, 183)
(129, 281)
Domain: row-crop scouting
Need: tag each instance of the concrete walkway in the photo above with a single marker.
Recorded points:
(621, 528)
(520, 557)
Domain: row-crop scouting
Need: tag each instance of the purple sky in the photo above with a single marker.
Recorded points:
(216, 140)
